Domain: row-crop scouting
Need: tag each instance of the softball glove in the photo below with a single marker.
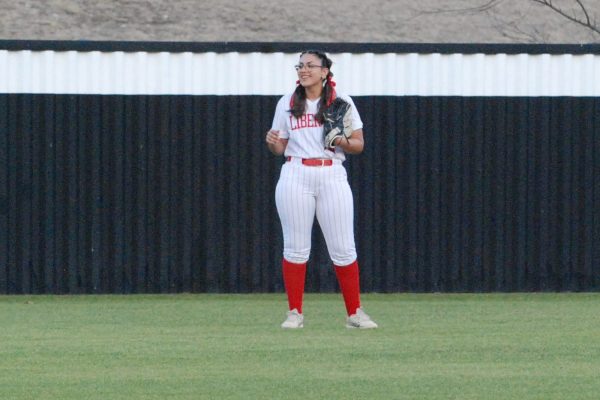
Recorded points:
(337, 122)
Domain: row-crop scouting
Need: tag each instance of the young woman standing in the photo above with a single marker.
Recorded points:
(313, 181)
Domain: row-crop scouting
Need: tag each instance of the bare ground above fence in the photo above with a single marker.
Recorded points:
(456, 21)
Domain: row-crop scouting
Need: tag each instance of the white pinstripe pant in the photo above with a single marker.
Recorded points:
(305, 191)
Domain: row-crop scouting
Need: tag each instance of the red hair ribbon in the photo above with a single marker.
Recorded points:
(293, 95)
(332, 93)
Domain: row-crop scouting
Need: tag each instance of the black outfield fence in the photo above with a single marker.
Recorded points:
(157, 193)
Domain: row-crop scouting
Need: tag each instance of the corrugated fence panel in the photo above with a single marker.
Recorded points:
(136, 194)
(486, 194)
(136, 172)
(124, 194)
(72, 72)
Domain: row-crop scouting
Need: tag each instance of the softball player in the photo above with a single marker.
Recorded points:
(313, 182)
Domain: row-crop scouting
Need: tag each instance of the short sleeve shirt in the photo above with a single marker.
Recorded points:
(305, 134)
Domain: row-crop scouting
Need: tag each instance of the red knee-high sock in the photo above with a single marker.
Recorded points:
(350, 286)
(293, 279)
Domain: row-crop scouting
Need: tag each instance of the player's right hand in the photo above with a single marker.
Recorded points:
(272, 137)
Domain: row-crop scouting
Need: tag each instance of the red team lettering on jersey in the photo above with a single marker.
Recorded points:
(305, 121)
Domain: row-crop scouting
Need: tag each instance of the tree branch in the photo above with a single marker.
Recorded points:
(579, 15)
(583, 22)
(484, 7)
(587, 17)
(511, 29)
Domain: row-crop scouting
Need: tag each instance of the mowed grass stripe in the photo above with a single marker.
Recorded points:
(212, 346)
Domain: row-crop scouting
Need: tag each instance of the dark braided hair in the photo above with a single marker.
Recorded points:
(298, 102)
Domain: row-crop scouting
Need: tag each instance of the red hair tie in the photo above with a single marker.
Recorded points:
(332, 93)
(293, 95)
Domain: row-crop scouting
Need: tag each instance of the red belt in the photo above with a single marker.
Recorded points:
(314, 162)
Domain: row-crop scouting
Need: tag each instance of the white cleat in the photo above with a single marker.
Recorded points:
(294, 320)
(360, 320)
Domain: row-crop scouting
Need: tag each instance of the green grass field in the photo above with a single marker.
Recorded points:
(429, 346)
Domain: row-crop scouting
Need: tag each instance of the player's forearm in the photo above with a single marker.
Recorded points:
(353, 145)
(276, 148)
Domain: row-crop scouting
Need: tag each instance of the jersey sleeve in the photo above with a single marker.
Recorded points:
(279, 120)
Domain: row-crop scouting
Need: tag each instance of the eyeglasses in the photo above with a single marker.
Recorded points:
(309, 66)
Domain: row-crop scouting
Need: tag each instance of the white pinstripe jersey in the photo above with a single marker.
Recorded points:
(305, 134)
